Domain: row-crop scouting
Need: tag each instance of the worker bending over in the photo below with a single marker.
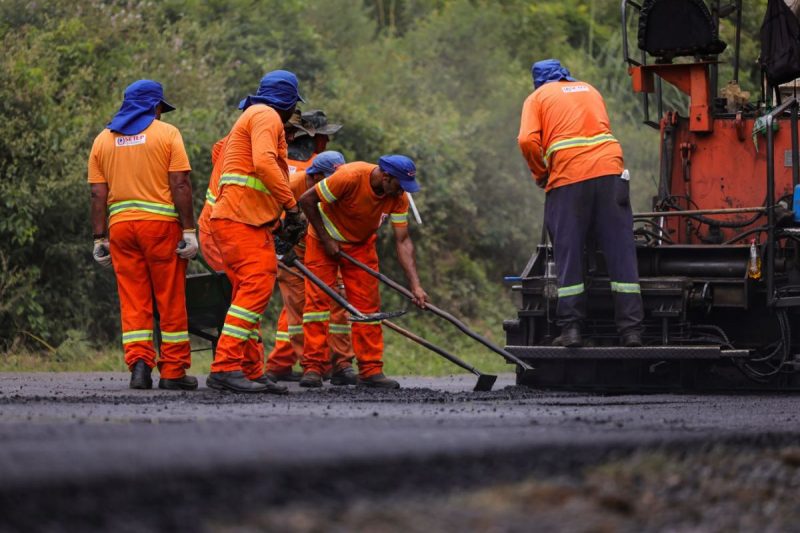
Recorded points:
(566, 140)
(345, 212)
(253, 194)
(143, 225)
(289, 338)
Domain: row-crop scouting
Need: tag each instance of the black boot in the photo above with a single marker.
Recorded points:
(378, 381)
(570, 336)
(631, 339)
(234, 381)
(184, 383)
(291, 375)
(311, 380)
(344, 376)
(272, 386)
(140, 376)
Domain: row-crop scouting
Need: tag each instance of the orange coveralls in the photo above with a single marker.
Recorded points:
(143, 234)
(254, 191)
(208, 247)
(289, 337)
(351, 213)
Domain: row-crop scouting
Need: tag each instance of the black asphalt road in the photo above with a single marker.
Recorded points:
(81, 451)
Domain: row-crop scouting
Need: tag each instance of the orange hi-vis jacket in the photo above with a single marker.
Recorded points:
(254, 185)
(295, 165)
(213, 184)
(351, 211)
(136, 168)
(565, 135)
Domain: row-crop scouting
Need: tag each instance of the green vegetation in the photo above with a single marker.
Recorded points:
(440, 80)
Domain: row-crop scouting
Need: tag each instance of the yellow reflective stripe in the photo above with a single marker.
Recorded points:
(325, 191)
(296, 330)
(137, 335)
(243, 181)
(578, 141)
(330, 227)
(236, 332)
(571, 290)
(210, 198)
(319, 316)
(626, 288)
(141, 205)
(340, 329)
(398, 218)
(244, 314)
(174, 336)
(282, 336)
(370, 323)
(254, 335)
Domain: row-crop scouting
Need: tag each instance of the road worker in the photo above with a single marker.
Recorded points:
(345, 211)
(289, 338)
(308, 135)
(566, 140)
(143, 225)
(208, 247)
(253, 194)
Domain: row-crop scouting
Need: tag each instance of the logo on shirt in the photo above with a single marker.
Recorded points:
(292, 169)
(130, 140)
(575, 89)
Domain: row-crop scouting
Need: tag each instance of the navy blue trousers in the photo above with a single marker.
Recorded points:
(601, 206)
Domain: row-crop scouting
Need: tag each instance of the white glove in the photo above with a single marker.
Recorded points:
(102, 252)
(187, 248)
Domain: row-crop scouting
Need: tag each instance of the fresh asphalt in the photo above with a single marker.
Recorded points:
(83, 451)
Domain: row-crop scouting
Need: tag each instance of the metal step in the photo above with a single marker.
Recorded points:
(614, 352)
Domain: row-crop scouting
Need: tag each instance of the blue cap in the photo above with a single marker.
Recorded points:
(138, 108)
(402, 168)
(278, 89)
(549, 70)
(326, 163)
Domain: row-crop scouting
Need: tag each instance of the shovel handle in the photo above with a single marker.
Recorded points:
(511, 358)
(335, 296)
(432, 347)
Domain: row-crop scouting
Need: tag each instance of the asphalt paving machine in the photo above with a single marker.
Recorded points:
(719, 251)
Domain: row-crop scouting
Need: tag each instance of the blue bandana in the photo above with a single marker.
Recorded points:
(278, 89)
(547, 71)
(138, 108)
(402, 168)
(326, 163)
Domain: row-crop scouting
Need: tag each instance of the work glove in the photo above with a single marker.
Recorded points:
(285, 251)
(187, 248)
(293, 227)
(102, 253)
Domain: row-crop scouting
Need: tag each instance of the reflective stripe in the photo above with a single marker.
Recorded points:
(572, 290)
(141, 205)
(625, 288)
(137, 336)
(371, 323)
(296, 330)
(282, 336)
(327, 195)
(174, 336)
(340, 329)
(243, 181)
(578, 141)
(254, 335)
(236, 332)
(319, 316)
(245, 314)
(210, 198)
(329, 226)
(398, 218)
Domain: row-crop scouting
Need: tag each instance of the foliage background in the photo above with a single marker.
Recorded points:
(440, 80)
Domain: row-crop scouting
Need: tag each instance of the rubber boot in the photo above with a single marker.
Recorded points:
(234, 381)
(344, 376)
(272, 386)
(311, 380)
(570, 336)
(378, 381)
(631, 339)
(140, 376)
(184, 383)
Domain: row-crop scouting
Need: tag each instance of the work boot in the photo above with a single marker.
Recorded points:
(272, 386)
(570, 336)
(311, 380)
(344, 376)
(378, 381)
(140, 376)
(631, 339)
(234, 381)
(290, 376)
(184, 383)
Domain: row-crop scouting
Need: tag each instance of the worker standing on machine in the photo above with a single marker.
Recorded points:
(143, 224)
(566, 139)
(254, 192)
(289, 338)
(345, 212)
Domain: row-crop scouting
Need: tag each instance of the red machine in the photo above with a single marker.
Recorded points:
(719, 253)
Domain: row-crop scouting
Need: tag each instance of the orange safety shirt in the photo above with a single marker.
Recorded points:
(565, 133)
(350, 209)
(254, 185)
(136, 169)
(295, 165)
(203, 222)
